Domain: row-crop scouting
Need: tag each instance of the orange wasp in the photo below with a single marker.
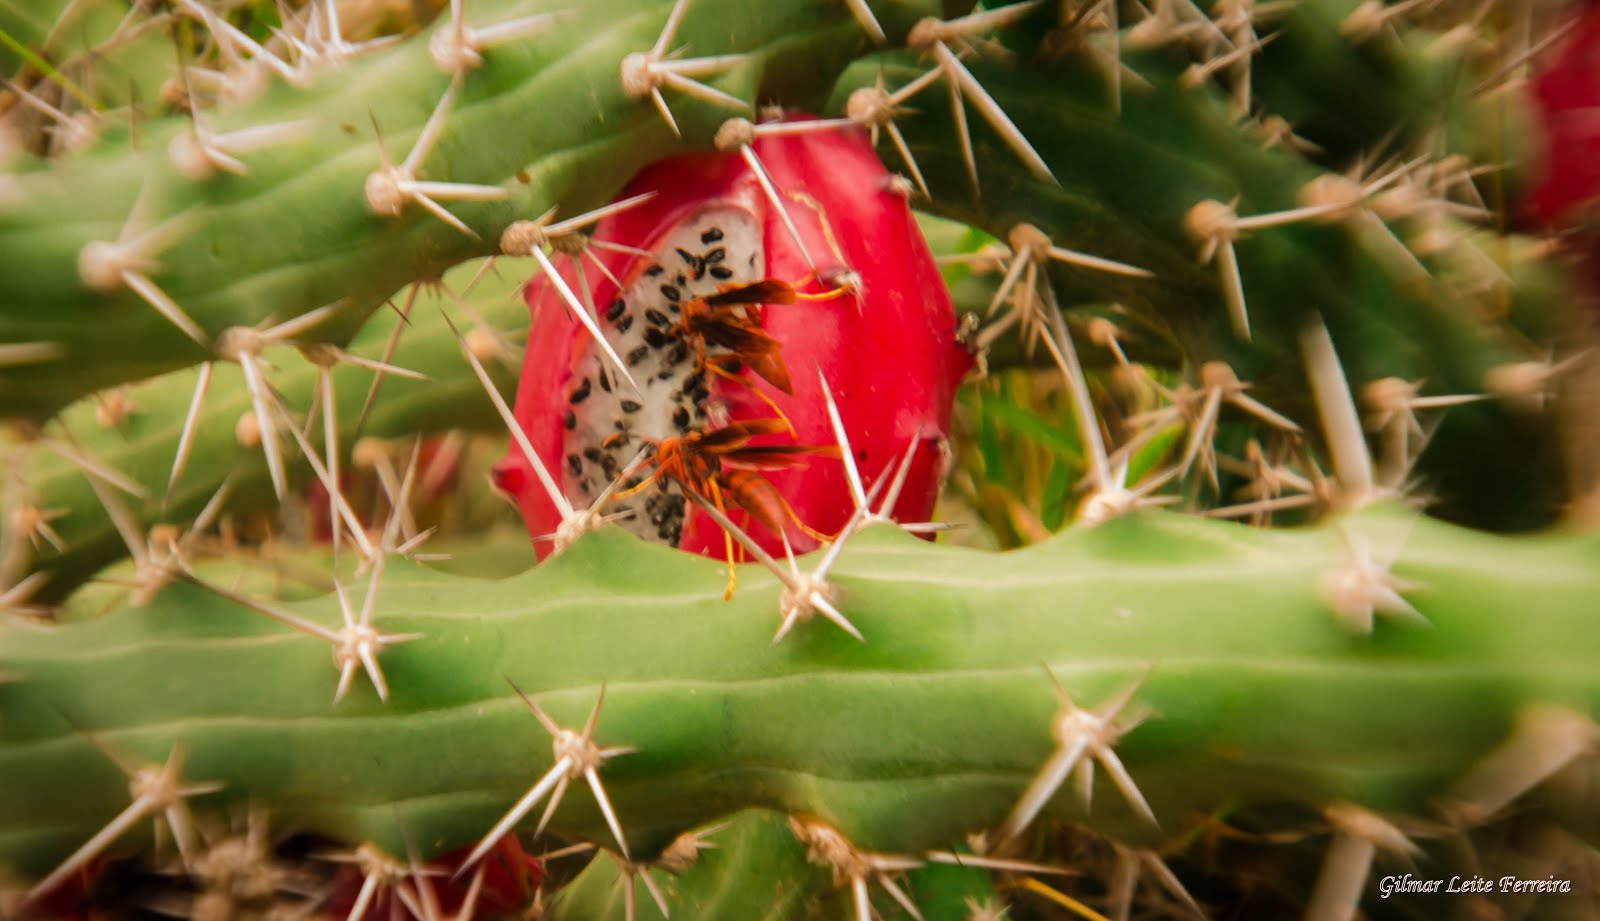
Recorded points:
(723, 467)
(723, 319)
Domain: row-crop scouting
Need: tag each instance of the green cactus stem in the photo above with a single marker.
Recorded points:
(1128, 180)
(142, 443)
(1255, 696)
(295, 232)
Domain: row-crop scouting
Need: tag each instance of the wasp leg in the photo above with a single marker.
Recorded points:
(727, 540)
(714, 365)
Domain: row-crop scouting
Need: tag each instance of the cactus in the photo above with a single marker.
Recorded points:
(238, 677)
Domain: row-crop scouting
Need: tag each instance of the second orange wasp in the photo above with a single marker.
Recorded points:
(723, 467)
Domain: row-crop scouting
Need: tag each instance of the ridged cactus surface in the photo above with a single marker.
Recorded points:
(1163, 486)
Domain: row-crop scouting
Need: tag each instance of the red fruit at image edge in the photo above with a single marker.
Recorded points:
(1566, 92)
(1566, 96)
(887, 348)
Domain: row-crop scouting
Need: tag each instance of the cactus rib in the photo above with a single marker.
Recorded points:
(926, 732)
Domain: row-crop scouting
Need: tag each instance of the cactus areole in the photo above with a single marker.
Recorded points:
(869, 312)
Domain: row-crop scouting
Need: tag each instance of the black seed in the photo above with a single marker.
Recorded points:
(720, 273)
(582, 393)
(608, 464)
(654, 270)
(575, 464)
(593, 454)
(715, 256)
(679, 353)
(733, 365)
(681, 279)
(569, 420)
(637, 355)
(617, 424)
(605, 382)
(712, 235)
(673, 307)
(657, 317)
(632, 482)
(658, 519)
(665, 374)
(680, 418)
(654, 337)
(629, 406)
(699, 269)
(752, 260)
(625, 324)
(617, 308)
(685, 255)
(670, 293)
(585, 485)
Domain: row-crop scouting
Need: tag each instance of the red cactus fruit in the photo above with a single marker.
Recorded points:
(1566, 92)
(1566, 95)
(885, 344)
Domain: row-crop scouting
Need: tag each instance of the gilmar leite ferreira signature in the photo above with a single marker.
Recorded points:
(1406, 883)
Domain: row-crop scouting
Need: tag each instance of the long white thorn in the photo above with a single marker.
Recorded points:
(1059, 342)
(590, 325)
(655, 891)
(135, 812)
(1341, 423)
(992, 113)
(1233, 289)
(97, 470)
(590, 218)
(557, 498)
(152, 294)
(670, 29)
(287, 618)
(776, 200)
(16, 354)
(900, 144)
(744, 539)
(896, 893)
(330, 448)
(332, 486)
(868, 22)
(519, 811)
(431, 130)
(958, 114)
(901, 473)
(1043, 786)
(389, 347)
(857, 490)
(191, 422)
(1099, 263)
(593, 777)
(256, 384)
